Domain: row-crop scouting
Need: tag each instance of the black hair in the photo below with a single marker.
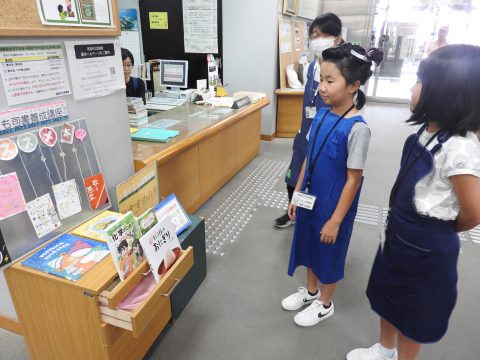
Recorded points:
(127, 54)
(123, 244)
(354, 63)
(135, 243)
(60, 8)
(328, 23)
(450, 78)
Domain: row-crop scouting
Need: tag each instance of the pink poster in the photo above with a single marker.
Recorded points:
(12, 201)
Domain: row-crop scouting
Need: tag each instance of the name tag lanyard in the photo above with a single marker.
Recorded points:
(312, 163)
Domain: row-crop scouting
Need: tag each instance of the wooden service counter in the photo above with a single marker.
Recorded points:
(289, 112)
(213, 145)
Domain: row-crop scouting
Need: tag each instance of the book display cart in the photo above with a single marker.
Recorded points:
(79, 320)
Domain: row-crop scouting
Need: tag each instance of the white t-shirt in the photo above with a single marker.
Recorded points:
(434, 194)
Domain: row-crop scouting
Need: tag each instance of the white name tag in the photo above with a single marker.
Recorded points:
(310, 112)
(303, 200)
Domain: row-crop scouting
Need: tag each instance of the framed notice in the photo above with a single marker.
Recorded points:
(290, 7)
(92, 13)
(140, 192)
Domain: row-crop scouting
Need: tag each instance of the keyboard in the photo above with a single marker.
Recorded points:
(165, 101)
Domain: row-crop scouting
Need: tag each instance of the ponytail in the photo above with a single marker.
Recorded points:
(360, 100)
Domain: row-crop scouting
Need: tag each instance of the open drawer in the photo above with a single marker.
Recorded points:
(137, 320)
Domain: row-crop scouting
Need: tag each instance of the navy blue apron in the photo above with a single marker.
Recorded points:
(327, 180)
(413, 283)
(310, 99)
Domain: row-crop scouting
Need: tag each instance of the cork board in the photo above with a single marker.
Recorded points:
(20, 18)
(291, 57)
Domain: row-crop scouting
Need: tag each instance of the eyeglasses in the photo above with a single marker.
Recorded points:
(127, 66)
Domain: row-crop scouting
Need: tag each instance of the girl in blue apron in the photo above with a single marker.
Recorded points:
(324, 32)
(413, 282)
(329, 184)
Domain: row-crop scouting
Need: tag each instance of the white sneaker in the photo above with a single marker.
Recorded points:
(299, 299)
(372, 353)
(313, 314)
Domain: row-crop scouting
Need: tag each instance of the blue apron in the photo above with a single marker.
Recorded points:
(413, 283)
(328, 178)
(300, 143)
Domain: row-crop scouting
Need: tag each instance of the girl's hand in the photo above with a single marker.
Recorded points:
(329, 232)
(292, 211)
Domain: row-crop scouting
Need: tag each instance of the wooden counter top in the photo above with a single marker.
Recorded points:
(197, 123)
(290, 92)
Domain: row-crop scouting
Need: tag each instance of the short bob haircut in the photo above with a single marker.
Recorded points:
(127, 54)
(450, 94)
(328, 23)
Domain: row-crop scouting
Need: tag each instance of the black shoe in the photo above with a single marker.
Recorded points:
(283, 221)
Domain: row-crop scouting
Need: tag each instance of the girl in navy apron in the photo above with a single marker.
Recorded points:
(330, 180)
(413, 283)
(324, 32)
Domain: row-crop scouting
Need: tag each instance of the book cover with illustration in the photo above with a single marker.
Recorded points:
(161, 247)
(123, 242)
(147, 220)
(171, 209)
(4, 255)
(95, 228)
(69, 257)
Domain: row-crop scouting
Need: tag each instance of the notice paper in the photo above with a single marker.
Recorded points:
(33, 72)
(158, 20)
(200, 26)
(96, 13)
(95, 68)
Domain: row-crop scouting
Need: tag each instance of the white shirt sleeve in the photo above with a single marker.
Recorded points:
(462, 157)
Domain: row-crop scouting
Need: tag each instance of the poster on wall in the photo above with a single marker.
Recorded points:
(96, 13)
(130, 38)
(30, 116)
(200, 26)
(307, 9)
(95, 69)
(33, 72)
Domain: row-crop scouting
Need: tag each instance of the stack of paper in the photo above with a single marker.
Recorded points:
(137, 111)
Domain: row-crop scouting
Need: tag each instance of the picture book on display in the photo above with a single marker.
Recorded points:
(171, 209)
(4, 255)
(161, 247)
(123, 242)
(68, 257)
(95, 228)
(147, 220)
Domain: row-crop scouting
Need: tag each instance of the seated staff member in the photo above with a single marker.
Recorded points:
(324, 32)
(135, 86)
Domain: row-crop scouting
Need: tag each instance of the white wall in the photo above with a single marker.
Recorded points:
(250, 51)
(107, 122)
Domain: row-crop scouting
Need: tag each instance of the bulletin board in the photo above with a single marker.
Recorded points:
(169, 43)
(20, 18)
(42, 179)
(289, 53)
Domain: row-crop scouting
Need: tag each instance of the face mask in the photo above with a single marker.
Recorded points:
(318, 45)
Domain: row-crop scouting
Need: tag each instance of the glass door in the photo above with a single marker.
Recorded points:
(407, 30)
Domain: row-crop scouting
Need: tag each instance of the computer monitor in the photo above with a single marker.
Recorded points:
(174, 74)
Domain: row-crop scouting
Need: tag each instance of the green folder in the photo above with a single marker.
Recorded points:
(153, 134)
